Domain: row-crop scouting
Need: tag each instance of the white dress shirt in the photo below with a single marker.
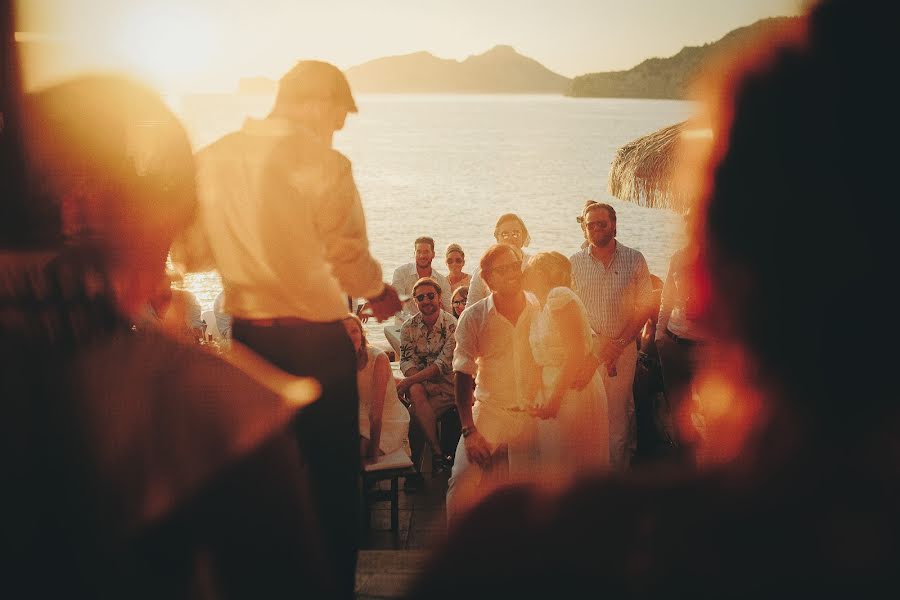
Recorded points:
(498, 354)
(284, 223)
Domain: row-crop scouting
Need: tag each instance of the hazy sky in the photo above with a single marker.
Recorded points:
(209, 44)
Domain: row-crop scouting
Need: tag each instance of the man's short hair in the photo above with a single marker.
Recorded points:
(592, 205)
(315, 80)
(424, 240)
(490, 255)
(426, 281)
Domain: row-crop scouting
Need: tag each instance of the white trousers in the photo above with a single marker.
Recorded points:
(620, 400)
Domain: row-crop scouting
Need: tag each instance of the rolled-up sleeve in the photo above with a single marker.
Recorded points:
(342, 224)
(466, 350)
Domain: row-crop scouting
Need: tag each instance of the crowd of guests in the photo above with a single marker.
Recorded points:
(143, 466)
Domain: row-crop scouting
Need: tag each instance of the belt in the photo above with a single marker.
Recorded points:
(276, 322)
(680, 340)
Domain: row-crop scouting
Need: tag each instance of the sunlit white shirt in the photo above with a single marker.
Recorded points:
(405, 277)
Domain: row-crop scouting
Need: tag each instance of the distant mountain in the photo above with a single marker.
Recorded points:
(499, 70)
(670, 77)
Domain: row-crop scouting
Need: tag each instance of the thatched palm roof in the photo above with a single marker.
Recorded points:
(643, 170)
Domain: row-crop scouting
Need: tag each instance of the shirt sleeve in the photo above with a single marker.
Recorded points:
(643, 299)
(466, 337)
(444, 361)
(477, 288)
(342, 224)
(666, 302)
(407, 347)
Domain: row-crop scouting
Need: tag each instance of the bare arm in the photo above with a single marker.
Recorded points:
(477, 449)
(382, 376)
(568, 321)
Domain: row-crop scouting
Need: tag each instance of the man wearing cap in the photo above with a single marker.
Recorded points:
(285, 227)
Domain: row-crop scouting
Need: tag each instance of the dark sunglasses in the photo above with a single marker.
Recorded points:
(430, 295)
(458, 302)
(454, 260)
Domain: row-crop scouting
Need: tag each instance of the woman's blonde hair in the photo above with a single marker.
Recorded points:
(555, 267)
(454, 248)
(362, 355)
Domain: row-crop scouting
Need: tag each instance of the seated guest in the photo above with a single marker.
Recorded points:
(427, 342)
(456, 260)
(458, 300)
(383, 420)
(406, 276)
(511, 230)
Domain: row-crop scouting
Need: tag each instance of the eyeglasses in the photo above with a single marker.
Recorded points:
(459, 302)
(595, 225)
(454, 260)
(514, 234)
(421, 297)
(507, 268)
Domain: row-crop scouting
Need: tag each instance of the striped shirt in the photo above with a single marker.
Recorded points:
(612, 296)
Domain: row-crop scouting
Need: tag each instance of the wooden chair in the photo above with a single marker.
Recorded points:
(389, 467)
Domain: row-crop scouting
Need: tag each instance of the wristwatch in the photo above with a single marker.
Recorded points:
(467, 431)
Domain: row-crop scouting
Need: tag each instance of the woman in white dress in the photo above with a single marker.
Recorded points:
(383, 420)
(573, 426)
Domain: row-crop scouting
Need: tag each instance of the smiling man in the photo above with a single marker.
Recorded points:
(427, 342)
(492, 342)
(406, 276)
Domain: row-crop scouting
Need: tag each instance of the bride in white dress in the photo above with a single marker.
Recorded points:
(573, 425)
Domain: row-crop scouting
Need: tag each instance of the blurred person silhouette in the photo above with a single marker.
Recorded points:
(135, 465)
(281, 219)
(806, 505)
(509, 229)
(174, 309)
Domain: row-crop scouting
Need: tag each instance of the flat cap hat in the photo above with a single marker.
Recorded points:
(316, 80)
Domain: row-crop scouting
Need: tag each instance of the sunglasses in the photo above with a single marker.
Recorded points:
(458, 302)
(595, 225)
(430, 295)
(515, 234)
(454, 260)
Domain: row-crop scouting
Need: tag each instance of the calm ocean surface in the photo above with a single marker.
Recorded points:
(447, 166)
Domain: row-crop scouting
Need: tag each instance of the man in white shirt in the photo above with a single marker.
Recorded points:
(613, 282)
(406, 276)
(492, 342)
(285, 227)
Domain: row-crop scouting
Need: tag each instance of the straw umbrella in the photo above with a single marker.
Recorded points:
(644, 170)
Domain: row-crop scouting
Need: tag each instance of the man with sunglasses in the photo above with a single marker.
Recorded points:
(427, 342)
(613, 282)
(492, 343)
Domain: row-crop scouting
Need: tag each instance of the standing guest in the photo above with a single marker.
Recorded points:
(807, 506)
(510, 229)
(286, 230)
(223, 319)
(406, 276)
(492, 347)
(456, 260)
(138, 465)
(427, 342)
(383, 420)
(458, 300)
(613, 282)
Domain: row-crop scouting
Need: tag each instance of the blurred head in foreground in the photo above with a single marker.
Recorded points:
(118, 168)
(796, 217)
